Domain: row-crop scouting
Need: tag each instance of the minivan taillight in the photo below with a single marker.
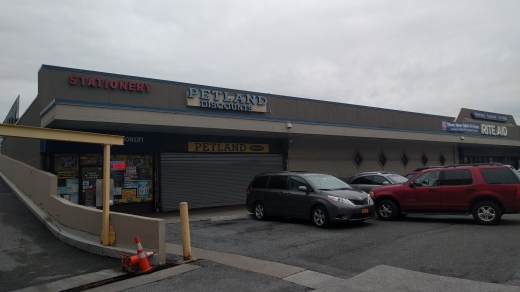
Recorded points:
(248, 191)
(518, 192)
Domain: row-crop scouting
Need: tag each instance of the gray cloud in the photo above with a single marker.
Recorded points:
(430, 57)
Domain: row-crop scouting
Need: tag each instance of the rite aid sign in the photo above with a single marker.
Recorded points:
(491, 130)
(489, 116)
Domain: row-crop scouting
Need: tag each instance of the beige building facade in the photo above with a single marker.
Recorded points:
(203, 144)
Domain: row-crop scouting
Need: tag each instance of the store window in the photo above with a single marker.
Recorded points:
(133, 178)
(66, 169)
(357, 159)
(80, 178)
(382, 158)
(404, 159)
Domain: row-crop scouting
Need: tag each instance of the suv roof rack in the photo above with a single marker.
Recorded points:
(475, 164)
(377, 172)
(285, 171)
(426, 167)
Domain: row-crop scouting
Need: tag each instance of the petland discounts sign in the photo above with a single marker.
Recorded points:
(224, 100)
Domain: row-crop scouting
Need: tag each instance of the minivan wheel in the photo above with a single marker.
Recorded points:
(320, 217)
(387, 210)
(486, 213)
(259, 211)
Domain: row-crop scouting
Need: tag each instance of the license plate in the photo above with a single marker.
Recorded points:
(365, 210)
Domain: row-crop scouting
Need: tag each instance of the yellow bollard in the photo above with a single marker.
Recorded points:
(185, 231)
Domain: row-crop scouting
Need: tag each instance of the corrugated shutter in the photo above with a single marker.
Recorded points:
(210, 180)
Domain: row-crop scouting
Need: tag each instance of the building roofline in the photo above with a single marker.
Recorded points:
(234, 90)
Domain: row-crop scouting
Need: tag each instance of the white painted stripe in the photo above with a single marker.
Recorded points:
(313, 279)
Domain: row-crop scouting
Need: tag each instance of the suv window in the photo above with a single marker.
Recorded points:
(498, 176)
(379, 180)
(326, 182)
(277, 182)
(428, 179)
(364, 180)
(397, 179)
(295, 182)
(260, 182)
(457, 177)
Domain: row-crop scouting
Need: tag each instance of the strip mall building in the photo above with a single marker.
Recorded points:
(203, 144)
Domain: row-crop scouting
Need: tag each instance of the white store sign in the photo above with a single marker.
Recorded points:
(493, 130)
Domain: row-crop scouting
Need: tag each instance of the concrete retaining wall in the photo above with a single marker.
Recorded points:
(41, 188)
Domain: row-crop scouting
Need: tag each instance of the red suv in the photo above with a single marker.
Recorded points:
(487, 191)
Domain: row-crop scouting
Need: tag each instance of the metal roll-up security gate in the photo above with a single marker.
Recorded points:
(210, 180)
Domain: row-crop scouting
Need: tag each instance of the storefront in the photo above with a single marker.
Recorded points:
(203, 144)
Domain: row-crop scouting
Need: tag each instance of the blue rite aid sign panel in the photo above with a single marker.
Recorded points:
(224, 100)
(460, 127)
(489, 116)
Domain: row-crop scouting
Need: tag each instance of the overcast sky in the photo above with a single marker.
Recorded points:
(431, 57)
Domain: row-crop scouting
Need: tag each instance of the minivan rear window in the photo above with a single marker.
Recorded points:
(260, 182)
(502, 175)
(277, 182)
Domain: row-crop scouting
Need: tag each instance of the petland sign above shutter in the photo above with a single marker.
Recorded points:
(227, 147)
(224, 100)
(489, 116)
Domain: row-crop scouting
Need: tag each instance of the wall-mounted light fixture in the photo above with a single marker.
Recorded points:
(289, 125)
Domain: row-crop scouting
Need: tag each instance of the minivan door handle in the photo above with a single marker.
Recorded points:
(433, 190)
(471, 189)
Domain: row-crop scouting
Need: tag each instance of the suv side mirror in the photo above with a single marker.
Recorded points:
(302, 188)
(412, 185)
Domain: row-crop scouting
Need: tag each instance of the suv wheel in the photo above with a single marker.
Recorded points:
(486, 212)
(320, 217)
(387, 210)
(259, 211)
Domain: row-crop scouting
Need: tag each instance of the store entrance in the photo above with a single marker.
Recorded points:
(88, 177)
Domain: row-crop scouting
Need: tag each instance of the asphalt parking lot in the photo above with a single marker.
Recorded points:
(453, 246)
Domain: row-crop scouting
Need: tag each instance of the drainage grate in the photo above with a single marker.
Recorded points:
(118, 278)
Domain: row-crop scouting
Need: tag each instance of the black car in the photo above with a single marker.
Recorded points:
(320, 197)
(367, 180)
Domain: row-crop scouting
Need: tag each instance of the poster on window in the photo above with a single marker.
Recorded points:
(72, 186)
(128, 194)
(130, 184)
(143, 188)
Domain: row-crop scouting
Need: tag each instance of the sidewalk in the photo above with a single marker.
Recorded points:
(379, 278)
(212, 214)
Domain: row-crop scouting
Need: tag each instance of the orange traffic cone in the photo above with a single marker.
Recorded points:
(128, 261)
(135, 258)
(144, 266)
